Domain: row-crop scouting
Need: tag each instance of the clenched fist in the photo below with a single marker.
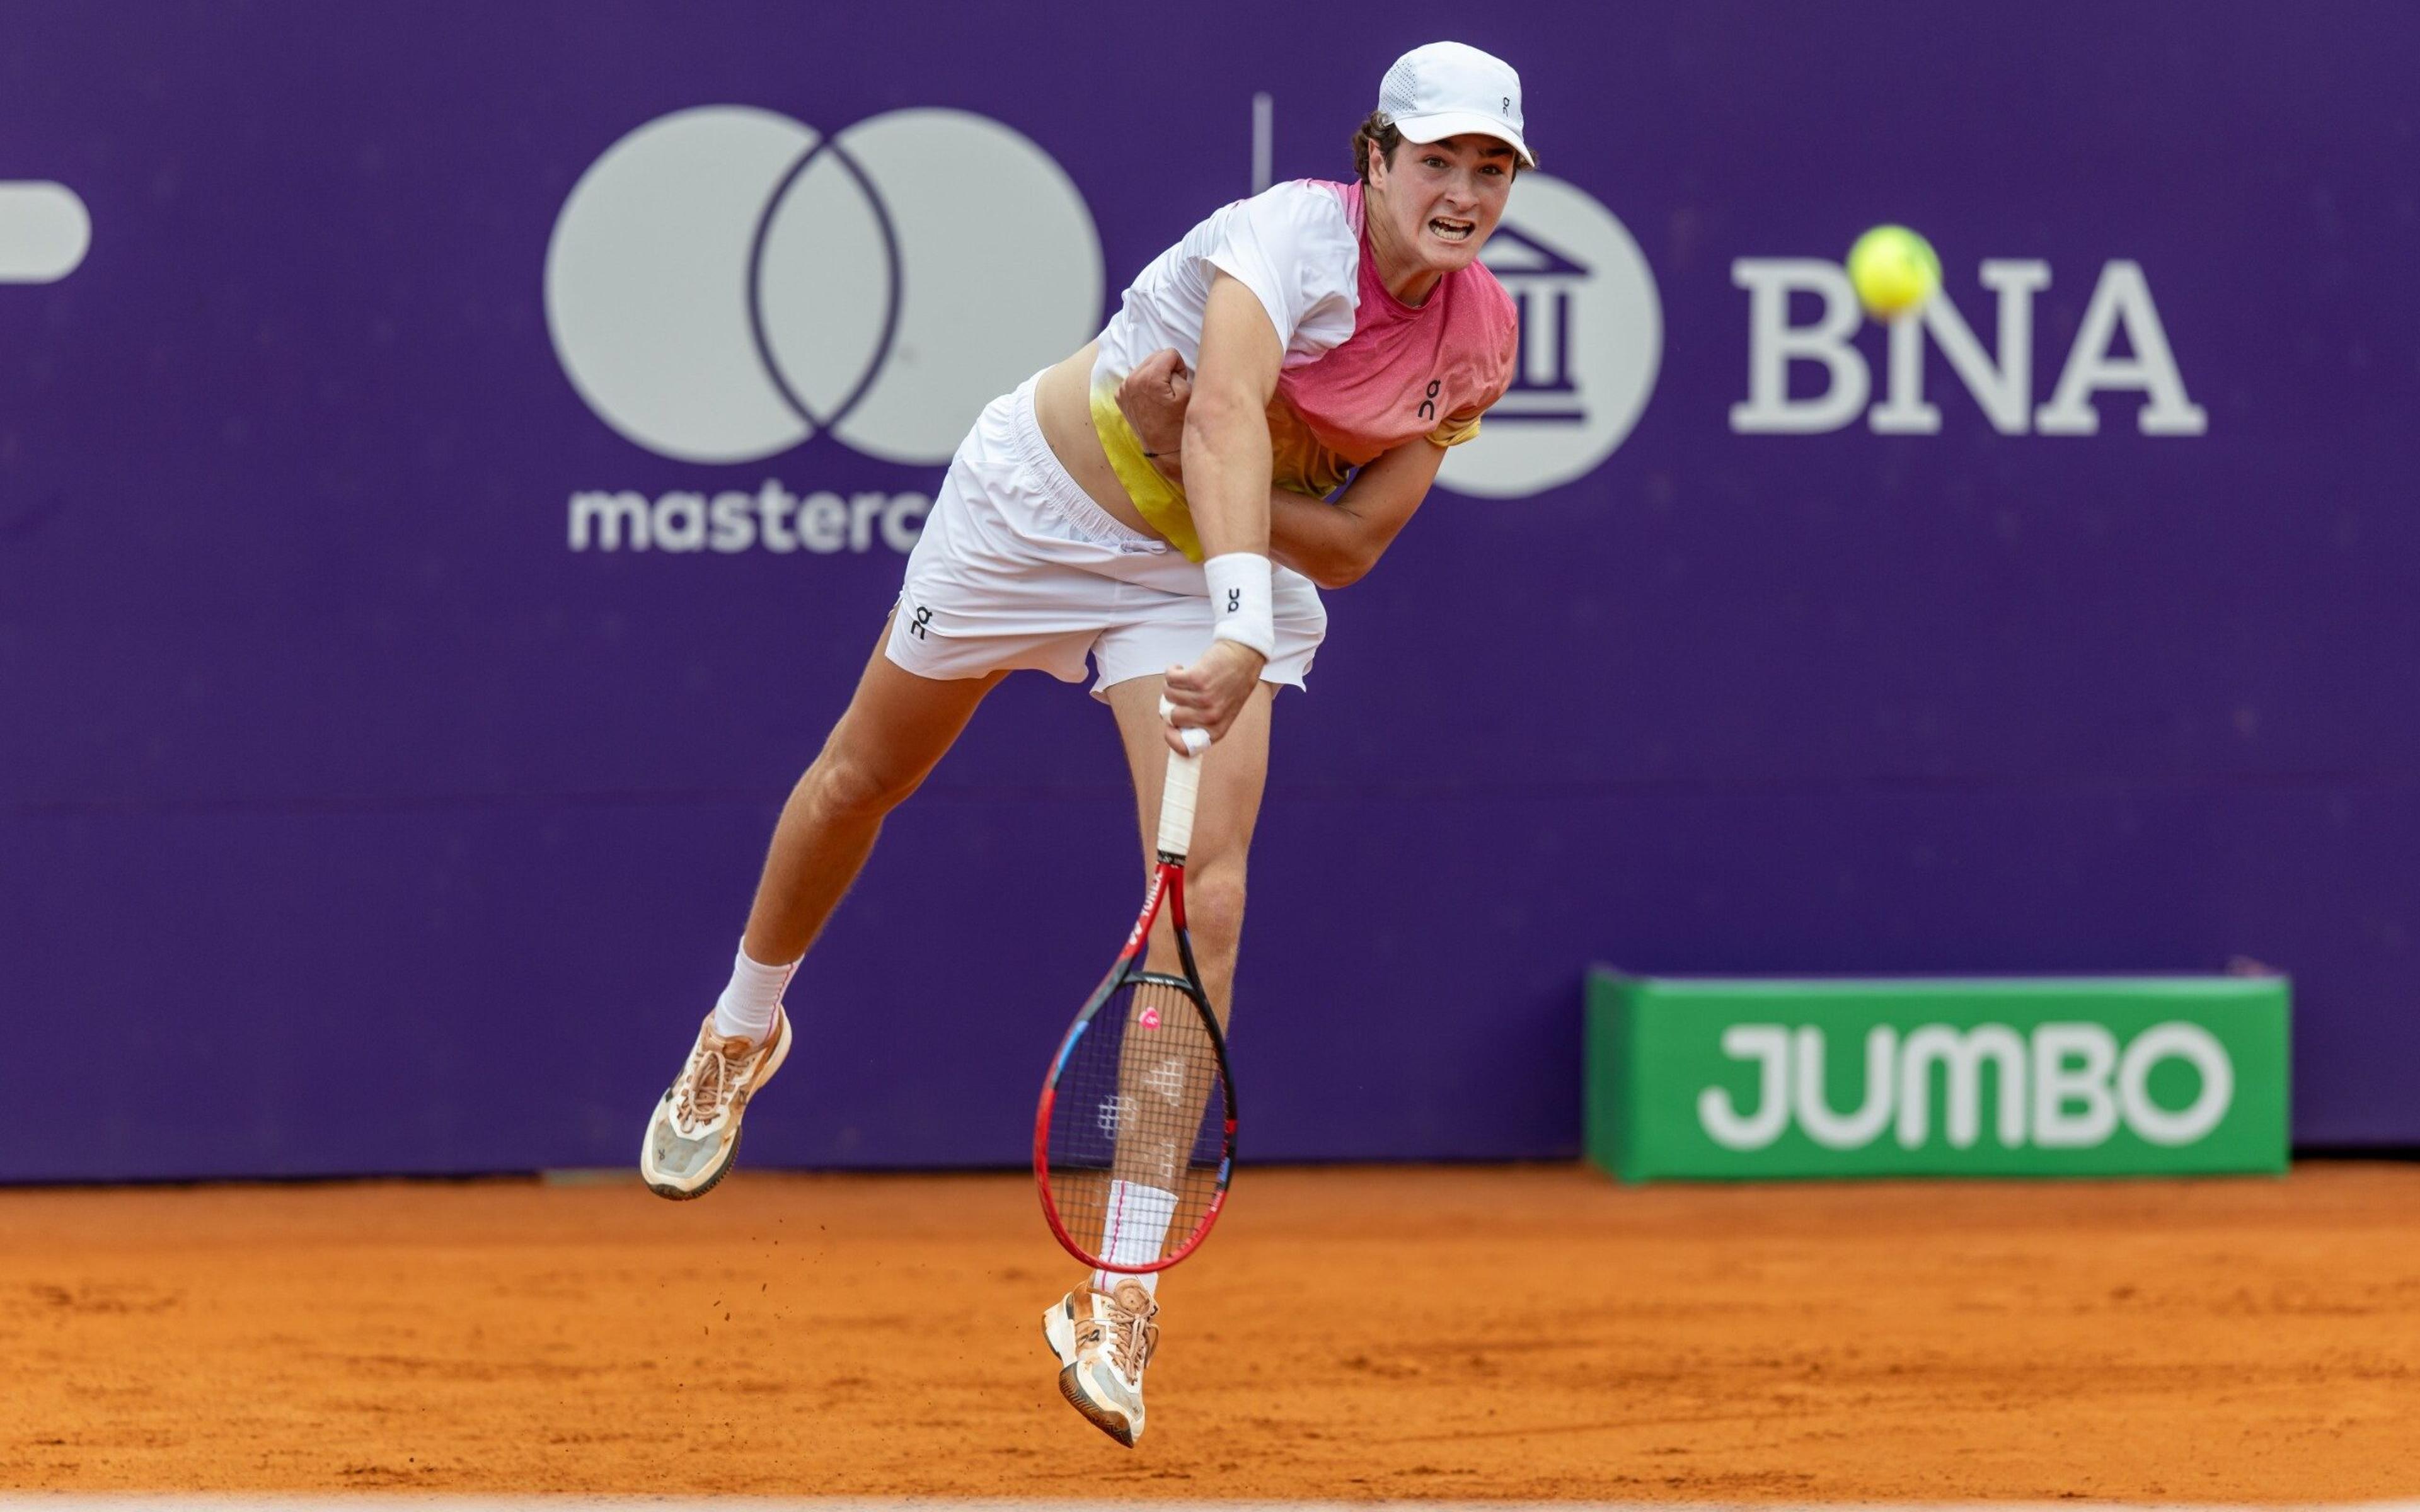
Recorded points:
(1153, 398)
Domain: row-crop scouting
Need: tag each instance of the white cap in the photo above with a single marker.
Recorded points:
(1446, 89)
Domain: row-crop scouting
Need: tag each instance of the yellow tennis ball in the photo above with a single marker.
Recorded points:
(1894, 271)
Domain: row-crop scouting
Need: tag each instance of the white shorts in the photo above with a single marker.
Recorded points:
(1018, 567)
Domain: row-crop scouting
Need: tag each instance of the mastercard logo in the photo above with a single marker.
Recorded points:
(726, 281)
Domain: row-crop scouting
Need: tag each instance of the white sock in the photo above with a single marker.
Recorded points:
(746, 1006)
(1134, 1231)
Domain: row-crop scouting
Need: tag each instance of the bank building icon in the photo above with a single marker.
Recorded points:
(1592, 339)
(1541, 279)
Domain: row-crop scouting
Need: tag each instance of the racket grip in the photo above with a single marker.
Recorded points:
(1195, 740)
(1176, 798)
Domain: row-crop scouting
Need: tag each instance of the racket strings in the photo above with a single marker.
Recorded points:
(1138, 1129)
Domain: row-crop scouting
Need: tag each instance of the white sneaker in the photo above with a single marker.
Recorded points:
(1103, 1340)
(695, 1130)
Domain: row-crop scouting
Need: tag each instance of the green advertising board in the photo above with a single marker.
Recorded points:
(1700, 1077)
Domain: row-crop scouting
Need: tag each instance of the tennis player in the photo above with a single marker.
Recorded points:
(1257, 422)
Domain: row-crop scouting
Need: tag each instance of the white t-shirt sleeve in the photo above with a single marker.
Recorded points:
(1293, 249)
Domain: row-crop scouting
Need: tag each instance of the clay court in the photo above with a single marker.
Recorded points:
(1459, 1333)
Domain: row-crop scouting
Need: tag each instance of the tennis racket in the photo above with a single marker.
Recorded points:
(1135, 1139)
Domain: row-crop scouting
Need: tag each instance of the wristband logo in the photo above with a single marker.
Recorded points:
(726, 281)
(1592, 341)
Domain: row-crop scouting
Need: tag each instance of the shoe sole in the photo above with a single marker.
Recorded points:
(1112, 1424)
(730, 1152)
(1100, 1417)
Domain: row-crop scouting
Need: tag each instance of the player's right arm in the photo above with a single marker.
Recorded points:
(1226, 471)
(1226, 445)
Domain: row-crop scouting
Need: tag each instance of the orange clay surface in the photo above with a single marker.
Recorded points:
(1465, 1333)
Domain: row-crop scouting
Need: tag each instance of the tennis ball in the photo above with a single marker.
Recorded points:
(1894, 271)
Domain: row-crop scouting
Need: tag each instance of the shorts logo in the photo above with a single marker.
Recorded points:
(1592, 340)
(918, 626)
(724, 282)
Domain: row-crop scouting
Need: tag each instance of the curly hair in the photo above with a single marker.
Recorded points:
(1376, 134)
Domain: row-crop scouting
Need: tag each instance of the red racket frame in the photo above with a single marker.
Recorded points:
(1167, 888)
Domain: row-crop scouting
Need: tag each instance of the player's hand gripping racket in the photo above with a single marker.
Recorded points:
(1135, 1138)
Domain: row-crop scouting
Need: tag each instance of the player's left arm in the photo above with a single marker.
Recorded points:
(1333, 544)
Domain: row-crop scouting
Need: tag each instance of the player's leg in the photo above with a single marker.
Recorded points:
(897, 727)
(995, 583)
(1106, 1331)
(1172, 1072)
(1234, 772)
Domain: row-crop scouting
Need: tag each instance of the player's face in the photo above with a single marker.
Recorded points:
(1443, 198)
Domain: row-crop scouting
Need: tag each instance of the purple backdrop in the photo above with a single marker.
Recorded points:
(352, 820)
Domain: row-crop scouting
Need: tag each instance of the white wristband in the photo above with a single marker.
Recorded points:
(1240, 606)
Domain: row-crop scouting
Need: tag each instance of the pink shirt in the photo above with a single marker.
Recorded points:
(1407, 371)
(1363, 372)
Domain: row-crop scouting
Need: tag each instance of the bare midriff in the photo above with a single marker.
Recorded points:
(1063, 407)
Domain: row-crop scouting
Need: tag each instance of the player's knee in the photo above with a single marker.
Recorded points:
(1214, 903)
(845, 786)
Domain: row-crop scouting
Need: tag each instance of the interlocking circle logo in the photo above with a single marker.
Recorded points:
(1592, 340)
(724, 282)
